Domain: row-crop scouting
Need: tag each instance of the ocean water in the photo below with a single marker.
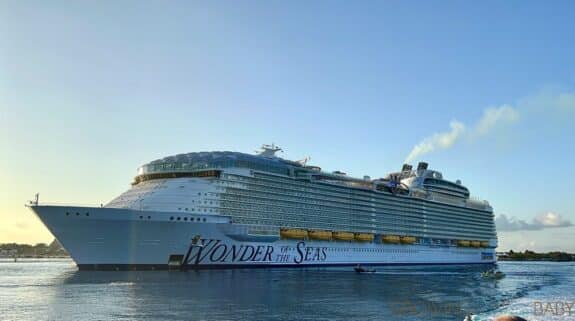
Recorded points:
(55, 290)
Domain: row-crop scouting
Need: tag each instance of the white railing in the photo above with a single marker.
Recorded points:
(34, 203)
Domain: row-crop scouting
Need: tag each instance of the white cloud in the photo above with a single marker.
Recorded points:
(538, 107)
(442, 140)
(565, 102)
(542, 221)
(494, 117)
(549, 102)
(551, 219)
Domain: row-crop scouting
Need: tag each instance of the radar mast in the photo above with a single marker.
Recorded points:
(269, 150)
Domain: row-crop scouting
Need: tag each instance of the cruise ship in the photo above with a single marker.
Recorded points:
(228, 209)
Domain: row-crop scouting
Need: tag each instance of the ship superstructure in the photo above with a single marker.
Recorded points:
(220, 209)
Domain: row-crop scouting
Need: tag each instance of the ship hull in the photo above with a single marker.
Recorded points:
(100, 238)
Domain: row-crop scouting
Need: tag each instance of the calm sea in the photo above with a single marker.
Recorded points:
(55, 290)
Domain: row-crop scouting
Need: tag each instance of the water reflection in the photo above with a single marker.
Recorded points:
(395, 293)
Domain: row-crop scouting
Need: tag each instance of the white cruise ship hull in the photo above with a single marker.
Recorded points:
(115, 239)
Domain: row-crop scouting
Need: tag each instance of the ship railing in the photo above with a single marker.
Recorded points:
(478, 199)
(33, 203)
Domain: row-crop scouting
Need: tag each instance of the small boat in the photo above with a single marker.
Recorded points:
(360, 269)
(470, 317)
(495, 275)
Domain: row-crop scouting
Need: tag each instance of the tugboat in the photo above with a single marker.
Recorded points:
(492, 274)
(360, 269)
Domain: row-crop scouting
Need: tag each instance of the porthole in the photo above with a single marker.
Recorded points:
(87, 214)
(77, 214)
(185, 218)
(67, 213)
(149, 217)
(171, 218)
(179, 218)
(141, 217)
(204, 219)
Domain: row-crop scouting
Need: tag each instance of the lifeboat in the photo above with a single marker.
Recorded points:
(475, 243)
(342, 236)
(407, 239)
(363, 237)
(292, 233)
(319, 235)
(390, 239)
(484, 244)
(463, 243)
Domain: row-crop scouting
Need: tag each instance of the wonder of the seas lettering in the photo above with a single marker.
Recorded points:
(309, 253)
(215, 251)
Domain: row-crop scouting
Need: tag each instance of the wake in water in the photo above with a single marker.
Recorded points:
(54, 291)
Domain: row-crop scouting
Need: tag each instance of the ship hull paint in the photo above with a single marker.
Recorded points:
(166, 267)
(125, 239)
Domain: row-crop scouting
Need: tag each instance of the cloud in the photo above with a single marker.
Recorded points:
(565, 102)
(546, 105)
(542, 221)
(550, 101)
(550, 219)
(437, 141)
(494, 117)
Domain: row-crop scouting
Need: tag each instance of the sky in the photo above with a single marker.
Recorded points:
(484, 91)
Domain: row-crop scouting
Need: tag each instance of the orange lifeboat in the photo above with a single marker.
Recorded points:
(363, 237)
(407, 239)
(293, 233)
(319, 235)
(393, 239)
(342, 236)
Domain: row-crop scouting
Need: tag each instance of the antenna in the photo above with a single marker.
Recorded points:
(269, 150)
(304, 161)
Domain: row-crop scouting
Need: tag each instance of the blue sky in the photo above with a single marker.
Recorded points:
(91, 90)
